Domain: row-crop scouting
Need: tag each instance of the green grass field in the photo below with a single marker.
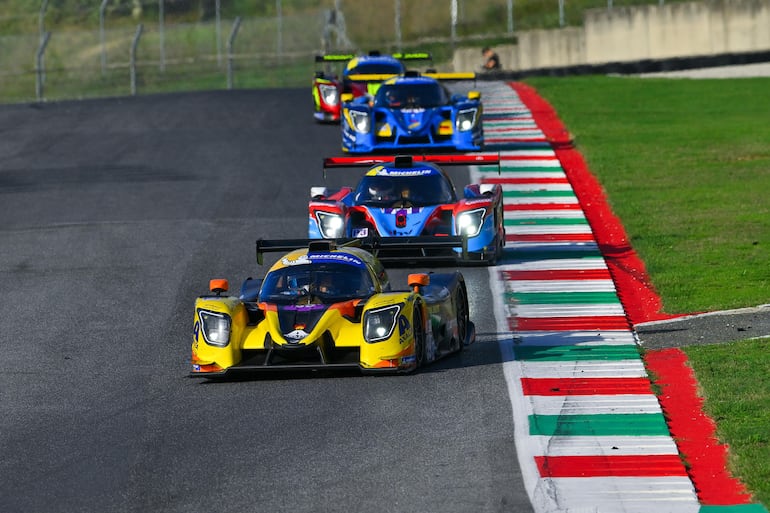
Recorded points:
(686, 166)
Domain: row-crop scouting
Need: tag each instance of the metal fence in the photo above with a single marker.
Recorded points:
(114, 59)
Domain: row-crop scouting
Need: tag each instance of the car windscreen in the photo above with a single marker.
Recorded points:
(411, 95)
(377, 68)
(321, 282)
(406, 190)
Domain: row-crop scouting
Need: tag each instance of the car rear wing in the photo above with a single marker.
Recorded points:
(460, 159)
(422, 248)
(382, 77)
(344, 57)
(371, 77)
(450, 75)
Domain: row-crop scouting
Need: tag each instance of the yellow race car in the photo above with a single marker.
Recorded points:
(328, 304)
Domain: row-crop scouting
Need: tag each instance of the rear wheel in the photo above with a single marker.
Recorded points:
(418, 328)
(461, 313)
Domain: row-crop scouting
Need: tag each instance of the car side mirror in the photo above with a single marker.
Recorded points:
(217, 286)
(418, 280)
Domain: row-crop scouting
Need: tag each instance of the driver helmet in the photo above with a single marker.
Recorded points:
(392, 98)
(298, 281)
(380, 190)
(325, 283)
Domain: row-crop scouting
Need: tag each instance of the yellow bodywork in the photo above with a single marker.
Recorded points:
(396, 352)
(343, 321)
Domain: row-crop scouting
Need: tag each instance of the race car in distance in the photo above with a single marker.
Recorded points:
(329, 306)
(410, 195)
(361, 76)
(412, 112)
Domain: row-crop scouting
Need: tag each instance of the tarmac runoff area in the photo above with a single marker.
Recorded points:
(711, 327)
(707, 328)
(761, 69)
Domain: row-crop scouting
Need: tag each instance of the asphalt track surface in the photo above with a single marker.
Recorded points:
(116, 213)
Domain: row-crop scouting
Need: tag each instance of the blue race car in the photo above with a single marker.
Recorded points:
(410, 113)
(411, 196)
(361, 76)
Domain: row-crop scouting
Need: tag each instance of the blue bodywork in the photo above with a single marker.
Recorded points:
(412, 113)
(414, 201)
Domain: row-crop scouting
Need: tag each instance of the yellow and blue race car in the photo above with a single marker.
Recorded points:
(413, 112)
(361, 76)
(329, 305)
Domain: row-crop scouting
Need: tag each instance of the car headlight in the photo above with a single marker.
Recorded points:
(215, 327)
(329, 94)
(380, 323)
(331, 225)
(360, 120)
(469, 223)
(466, 119)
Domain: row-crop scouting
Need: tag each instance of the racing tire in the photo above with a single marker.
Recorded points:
(499, 243)
(419, 337)
(462, 316)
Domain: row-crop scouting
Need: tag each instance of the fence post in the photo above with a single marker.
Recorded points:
(218, 30)
(132, 59)
(453, 31)
(40, 66)
(41, 24)
(101, 35)
(162, 35)
(279, 23)
(230, 43)
(397, 22)
(41, 18)
(561, 13)
(510, 17)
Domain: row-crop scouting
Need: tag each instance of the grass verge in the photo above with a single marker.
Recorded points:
(686, 166)
(734, 384)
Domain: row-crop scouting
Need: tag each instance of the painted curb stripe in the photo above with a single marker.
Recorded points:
(574, 374)
(601, 273)
(522, 219)
(555, 298)
(573, 353)
(594, 404)
(524, 215)
(572, 311)
(569, 323)
(555, 288)
(602, 446)
(503, 140)
(529, 181)
(563, 188)
(606, 466)
(576, 338)
(543, 206)
(569, 228)
(549, 237)
(541, 250)
(649, 424)
(590, 386)
(584, 369)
